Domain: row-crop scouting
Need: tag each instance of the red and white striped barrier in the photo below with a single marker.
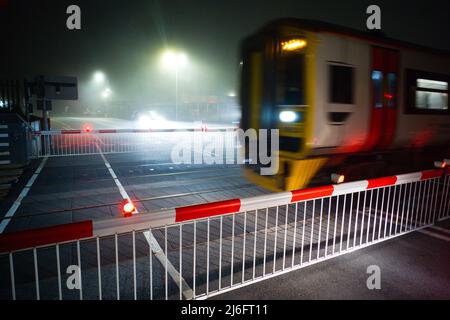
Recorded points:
(86, 229)
(103, 131)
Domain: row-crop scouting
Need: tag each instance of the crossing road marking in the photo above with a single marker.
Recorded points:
(435, 235)
(4, 223)
(152, 242)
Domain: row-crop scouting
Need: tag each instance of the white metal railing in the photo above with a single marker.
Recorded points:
(78, 142)
(199, 251)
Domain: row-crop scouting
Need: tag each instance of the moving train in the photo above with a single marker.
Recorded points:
(354, 103)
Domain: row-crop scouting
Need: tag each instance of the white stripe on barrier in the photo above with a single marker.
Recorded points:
(408, 177)
(350, 187)
(269, 200)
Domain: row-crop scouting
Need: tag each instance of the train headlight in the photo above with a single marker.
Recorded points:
(288, 116)
(293, 44)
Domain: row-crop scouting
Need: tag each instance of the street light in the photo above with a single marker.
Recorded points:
(174, 60)
(106, 93)
(99, 77)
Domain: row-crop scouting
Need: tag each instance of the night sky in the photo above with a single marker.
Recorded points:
(124, 38)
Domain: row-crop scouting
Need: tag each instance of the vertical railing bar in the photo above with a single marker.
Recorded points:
(407, 208)
(194, 258)
(36, 274)
(349, 221)
(387, 211)
(335, 224)
(418, 205)
(356, 220)
(58, 269)
(220, 252)
(99, 270)
(393, 209)
(117, 267)
(422, 207)
(303, 232)
(294, 235)
(254, 244)
(181, 261)
(328, 226)
(398, 208)
(79, 267)
(150, 252)
(312, 230)
(380, 223)
(428, 205)
(134, 264)
(207, 254)
(285, 235)
(232, 248)
(403, 207)
(443, 195)
(11, 272)
(342, 223)
(375, 215)
(430, 208)
(275, 241)
(363, 218)
(320, 228)
(429, 200)
(166, 280)
(265, 242)
(243, 246)
(446, 202)
(436, 191)
(370, 214)
(413, 205)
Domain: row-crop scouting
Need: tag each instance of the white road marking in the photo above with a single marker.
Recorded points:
(152, 242)
(435, 235)
(4, 223)
(174, 274)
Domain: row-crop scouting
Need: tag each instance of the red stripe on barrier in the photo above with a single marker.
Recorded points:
(381, 182)
(43, 236)
(70, 131)
(207, 210)
(311, 193)
(429, 174)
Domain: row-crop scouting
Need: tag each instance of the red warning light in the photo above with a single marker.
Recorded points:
(388, 96)
(128, 208)
(87, 128)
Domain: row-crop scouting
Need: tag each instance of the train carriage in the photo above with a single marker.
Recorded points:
(344, 101)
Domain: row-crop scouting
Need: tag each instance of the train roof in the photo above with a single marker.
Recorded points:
(375, 36)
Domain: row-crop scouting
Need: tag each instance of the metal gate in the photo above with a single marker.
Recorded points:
(202, 250)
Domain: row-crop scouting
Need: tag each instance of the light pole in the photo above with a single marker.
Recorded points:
(174, 60)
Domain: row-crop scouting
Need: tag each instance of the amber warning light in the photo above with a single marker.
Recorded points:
(293, 44)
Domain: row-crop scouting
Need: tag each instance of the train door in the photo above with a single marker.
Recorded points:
(384, 102)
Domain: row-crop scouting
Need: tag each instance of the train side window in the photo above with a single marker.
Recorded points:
(427, 92)
(377, 82)
(341, 84)
(431, 94)
(391, 94)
